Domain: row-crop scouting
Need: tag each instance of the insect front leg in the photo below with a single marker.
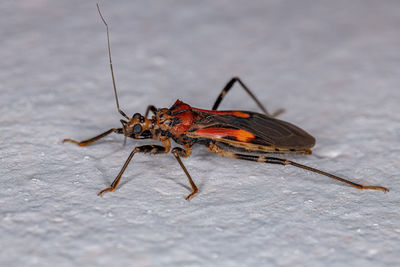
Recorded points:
(230, 84)
(93, 139)
(151, 149)
(184, 153)
(150, 108)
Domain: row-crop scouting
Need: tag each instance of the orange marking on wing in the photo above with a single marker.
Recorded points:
(240, 135)
(240, 114)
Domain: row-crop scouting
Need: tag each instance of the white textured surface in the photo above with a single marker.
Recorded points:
(333, 65)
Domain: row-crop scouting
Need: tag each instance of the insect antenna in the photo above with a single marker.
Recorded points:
(111, 65)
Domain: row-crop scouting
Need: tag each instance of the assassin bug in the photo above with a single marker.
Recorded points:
(237, 134)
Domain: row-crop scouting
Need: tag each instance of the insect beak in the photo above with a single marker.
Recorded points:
(146, 134)
(123, 122)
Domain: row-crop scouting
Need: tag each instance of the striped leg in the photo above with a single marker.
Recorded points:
(272, 160)
(184, 153)
(230, 84)
(91, 140)
(151, 149)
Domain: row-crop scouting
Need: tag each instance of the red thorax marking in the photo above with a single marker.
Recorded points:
(184, 114)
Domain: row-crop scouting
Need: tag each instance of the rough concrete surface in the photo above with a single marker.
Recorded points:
(333, 65)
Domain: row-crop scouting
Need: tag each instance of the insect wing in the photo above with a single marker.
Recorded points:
(253, 128)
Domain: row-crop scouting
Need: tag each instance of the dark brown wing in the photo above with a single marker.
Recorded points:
(250, 127)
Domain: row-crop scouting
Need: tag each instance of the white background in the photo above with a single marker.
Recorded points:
(333, 65)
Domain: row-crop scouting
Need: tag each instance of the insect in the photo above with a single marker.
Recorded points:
(234, 133)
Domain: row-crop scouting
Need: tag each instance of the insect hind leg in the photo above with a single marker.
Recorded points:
(284, 162)
(272, 160)
(230, 84)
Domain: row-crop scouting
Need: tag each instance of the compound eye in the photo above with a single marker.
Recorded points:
(136, 115)
(137, 129)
